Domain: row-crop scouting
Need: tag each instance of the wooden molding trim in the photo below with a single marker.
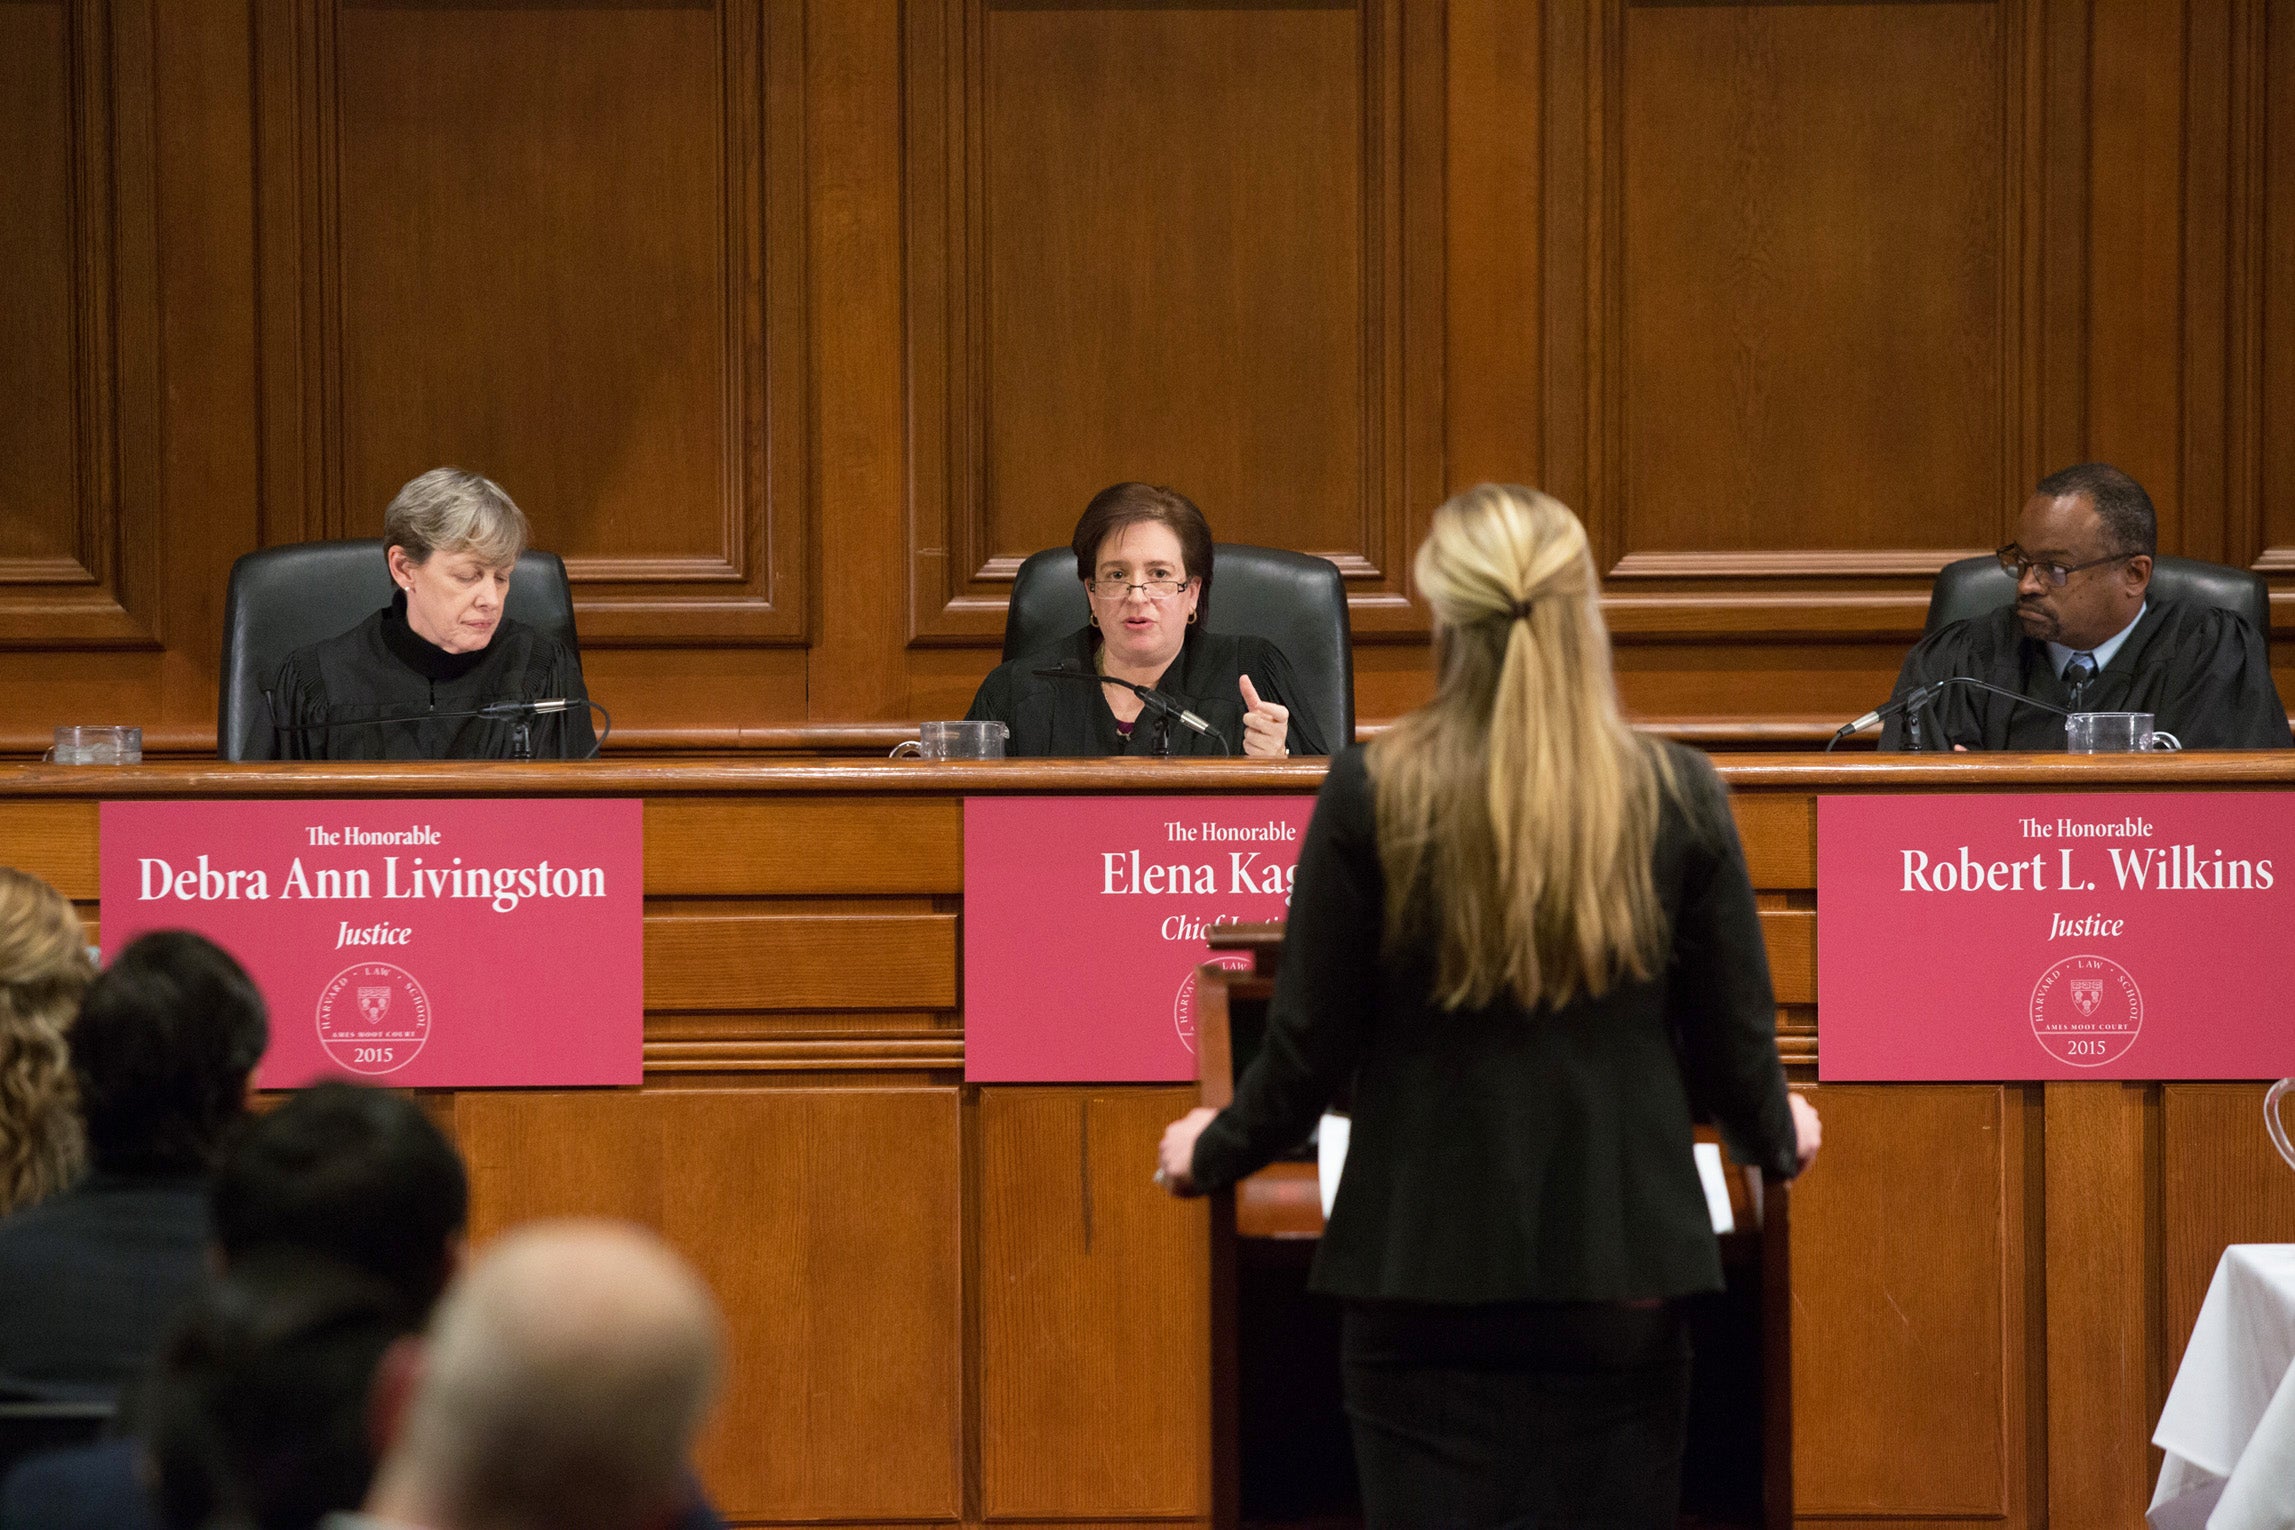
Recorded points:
(1787, 563)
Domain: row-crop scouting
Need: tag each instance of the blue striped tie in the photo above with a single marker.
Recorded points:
(2078, 671)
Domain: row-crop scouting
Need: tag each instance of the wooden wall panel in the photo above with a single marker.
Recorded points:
(1098, 1327)
(795, 324)
(623, 348)
(842, 1405)
(2271, 125)
(77, 340)
(39, 467)
(1185, 245)
(2222, 1183)
(1792, 244)
(1916, 1331)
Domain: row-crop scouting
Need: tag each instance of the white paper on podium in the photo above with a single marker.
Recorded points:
(1330, 1157)
(1331, 1161)
(1714, 1175)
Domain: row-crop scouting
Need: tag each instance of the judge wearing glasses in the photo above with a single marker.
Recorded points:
(1144, 554)
(2086, 635)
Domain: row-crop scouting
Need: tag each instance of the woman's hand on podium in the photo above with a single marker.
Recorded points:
(1808, 1131)
(1175, 1158)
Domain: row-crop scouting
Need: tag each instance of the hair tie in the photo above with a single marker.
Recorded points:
(1518, 611)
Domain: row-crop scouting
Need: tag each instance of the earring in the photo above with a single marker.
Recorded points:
(1092, 620)
(1191, 618)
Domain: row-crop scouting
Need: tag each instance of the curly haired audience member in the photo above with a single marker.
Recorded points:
(44, 969)
(161, 1053)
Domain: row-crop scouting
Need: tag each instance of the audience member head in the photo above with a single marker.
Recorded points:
(2082, 555)
(162, 1050)
(561, 1387)
(1516, 811)
(451, 538)
(44, 969)
(257, 1410)
(1131, 539)
(359, 1174)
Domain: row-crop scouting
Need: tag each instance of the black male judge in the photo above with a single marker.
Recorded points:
(2086, 634)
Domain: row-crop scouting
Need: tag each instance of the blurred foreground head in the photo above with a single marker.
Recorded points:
(565, 1378)
(166, 1039)
(256, 1412)
(357, 1173)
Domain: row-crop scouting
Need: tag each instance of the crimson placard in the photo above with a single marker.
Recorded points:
(1085, 920)
(454, 944)
(2063, 936)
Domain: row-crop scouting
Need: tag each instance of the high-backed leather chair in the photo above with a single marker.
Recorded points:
(1294, 600)
(1973, 586)
(283, 598)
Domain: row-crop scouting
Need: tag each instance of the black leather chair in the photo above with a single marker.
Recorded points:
(1973, 586)
(283, 598)
(1294, 600)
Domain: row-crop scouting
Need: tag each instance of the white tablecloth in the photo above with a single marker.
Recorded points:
(2229, 1424)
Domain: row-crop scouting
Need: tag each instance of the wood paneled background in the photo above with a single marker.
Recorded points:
(795, 324)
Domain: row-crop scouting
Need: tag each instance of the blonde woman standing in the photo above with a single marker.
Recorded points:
(1525, 932)
(44, 969)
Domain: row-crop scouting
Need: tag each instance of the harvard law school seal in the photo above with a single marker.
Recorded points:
(2086, 1011)
(1183, 1003)
(373, 1018)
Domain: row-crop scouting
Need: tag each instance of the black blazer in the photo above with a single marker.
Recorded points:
(90, 1279)
(1504, 1154)
(1068, 717)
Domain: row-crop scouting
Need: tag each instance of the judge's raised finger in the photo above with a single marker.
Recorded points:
(1251, 701)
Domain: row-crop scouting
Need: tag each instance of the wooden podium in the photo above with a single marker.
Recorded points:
(967, 1305)
(1283, 1202)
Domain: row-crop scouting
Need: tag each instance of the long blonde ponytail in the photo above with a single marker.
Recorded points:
(1516, 811)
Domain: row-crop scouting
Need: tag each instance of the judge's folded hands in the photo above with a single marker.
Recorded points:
(1266, 724)
(1175, 1156)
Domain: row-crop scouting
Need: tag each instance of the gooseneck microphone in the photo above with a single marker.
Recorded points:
(519, 714)
(1913, 701)
(1165, 709)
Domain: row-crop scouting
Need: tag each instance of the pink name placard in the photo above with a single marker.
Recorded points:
(422, 944)
(2070, 936)
(1085, 919)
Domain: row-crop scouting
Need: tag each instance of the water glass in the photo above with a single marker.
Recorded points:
(108, 745)
(957, 741)
(2114, 733)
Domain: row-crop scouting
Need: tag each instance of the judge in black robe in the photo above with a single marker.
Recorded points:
(2085, 635)
(382, 668)
(1072, 717)
(1145, 556)
(393, 687)
(2202, 673)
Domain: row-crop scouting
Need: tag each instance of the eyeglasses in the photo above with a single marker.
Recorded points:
(1155, 589)
(2012, 560)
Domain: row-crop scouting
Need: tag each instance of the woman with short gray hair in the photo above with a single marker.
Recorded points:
(403, 683)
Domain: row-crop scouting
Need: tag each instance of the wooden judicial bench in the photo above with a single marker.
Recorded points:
(954, 1304)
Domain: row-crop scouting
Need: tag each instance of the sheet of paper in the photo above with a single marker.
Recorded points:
(1330, 1157)
(1714, 1175)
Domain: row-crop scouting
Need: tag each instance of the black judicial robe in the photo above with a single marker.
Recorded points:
(383, 668)
(1068, 717)
(2203, 674)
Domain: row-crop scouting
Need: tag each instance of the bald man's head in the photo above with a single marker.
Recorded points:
(563, 1383)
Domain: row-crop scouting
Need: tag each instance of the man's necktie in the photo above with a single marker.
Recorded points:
(2078, 671)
